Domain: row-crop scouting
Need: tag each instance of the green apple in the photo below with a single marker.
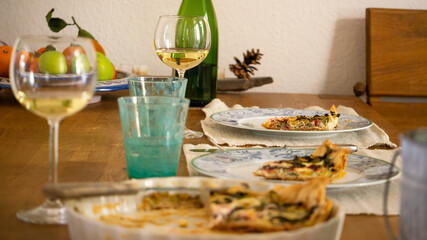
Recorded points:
(80, 64)
(105, 67)
(53, 62)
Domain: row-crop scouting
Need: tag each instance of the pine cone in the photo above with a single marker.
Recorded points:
(245, 68)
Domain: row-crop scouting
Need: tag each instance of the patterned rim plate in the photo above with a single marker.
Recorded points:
(240, 164)
(120, 83)
(252, 118)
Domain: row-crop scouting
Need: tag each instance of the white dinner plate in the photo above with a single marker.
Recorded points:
(240, 164)
(252, 118)
(120, 83)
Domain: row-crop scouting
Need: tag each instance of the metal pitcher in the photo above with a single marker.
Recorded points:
(413, 206)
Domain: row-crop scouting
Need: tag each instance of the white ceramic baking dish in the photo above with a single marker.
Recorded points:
(84, 224)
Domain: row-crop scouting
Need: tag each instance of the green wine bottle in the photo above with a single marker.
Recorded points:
(201, 85)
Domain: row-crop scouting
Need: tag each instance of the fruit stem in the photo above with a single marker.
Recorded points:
(75, 23)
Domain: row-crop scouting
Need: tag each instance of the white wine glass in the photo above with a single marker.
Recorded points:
(182, 42)
(52, 77)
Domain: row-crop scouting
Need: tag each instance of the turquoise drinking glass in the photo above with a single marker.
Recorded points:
(161, 86)
(157, 86)
(153, 129)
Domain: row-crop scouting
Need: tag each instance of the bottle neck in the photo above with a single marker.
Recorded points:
(195, 7)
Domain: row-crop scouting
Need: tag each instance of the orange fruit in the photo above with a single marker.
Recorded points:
(114, 72)
(71, 52)
(98, 46)
(23, 59)
(41, 51)
(34, 65)
(5, 55)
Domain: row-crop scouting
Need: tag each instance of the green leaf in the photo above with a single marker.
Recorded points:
(84, 33)
(50, 47)
(49, 15)
(56, 24)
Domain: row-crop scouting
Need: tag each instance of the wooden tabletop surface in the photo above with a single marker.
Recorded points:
(91, 149)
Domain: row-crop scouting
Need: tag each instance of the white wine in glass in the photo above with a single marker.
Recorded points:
(182, 42)
(182, 59)
(52, 77)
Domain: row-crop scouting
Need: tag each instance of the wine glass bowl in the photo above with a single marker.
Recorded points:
(52, 77)
(48, 85)
(182, 42)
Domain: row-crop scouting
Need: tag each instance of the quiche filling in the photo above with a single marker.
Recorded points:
(164, 200)
(328, 121)
(235, 209)
(239, 209)
(326, 161)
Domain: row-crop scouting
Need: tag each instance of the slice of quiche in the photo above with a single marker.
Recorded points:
(282, 208)
(326, 161)
(325, 122)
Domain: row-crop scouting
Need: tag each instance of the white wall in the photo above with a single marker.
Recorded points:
(309, 46)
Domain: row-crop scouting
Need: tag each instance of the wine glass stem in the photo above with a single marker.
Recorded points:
(52, 211)
(181, 73)
(53, 150)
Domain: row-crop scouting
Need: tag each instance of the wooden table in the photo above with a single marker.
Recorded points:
(91, 149)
